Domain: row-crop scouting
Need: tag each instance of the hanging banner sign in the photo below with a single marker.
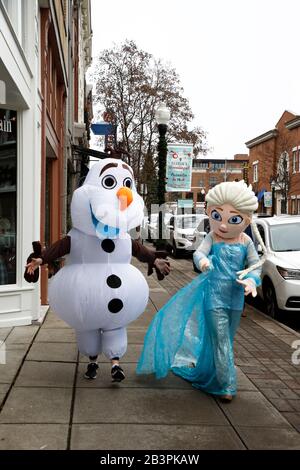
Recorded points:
(267, 199)
(179, 167)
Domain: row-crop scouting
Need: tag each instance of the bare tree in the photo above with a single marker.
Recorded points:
(283, 167)
(130, 83)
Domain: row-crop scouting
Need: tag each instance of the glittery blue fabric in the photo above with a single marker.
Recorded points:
(193, 334)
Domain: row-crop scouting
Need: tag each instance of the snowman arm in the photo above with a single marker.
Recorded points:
(57, 250)
(37, 250)
(49, 255)
(145, 255)
(142, 253)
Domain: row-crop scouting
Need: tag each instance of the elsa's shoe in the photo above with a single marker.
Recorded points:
(226, 398)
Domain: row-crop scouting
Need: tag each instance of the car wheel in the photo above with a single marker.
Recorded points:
(270, 300)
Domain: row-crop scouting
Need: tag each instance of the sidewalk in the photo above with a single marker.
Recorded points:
(47, 404)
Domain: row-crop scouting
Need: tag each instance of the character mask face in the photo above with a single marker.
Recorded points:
(226, 221)
(107, 204)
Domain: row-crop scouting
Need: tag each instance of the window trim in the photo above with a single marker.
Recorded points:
(294, 161)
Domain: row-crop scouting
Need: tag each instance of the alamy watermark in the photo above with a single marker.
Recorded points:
(296, 354)
(2, 352)
(2, 92)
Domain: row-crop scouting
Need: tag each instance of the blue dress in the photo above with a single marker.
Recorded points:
(193, 334)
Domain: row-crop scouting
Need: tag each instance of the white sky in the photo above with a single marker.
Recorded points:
(238, 60)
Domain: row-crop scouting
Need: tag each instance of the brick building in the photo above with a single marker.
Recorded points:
(65, 54)
(207, 172)
(274, 165)
(45, 110)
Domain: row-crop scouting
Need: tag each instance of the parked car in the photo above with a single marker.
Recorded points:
(181, 234)
(153, 233)
(152, 226)
(280, 288)
(200, 232)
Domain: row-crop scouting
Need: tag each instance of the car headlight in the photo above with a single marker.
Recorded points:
(289, 273)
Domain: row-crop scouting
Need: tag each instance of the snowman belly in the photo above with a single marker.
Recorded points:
(92, 296)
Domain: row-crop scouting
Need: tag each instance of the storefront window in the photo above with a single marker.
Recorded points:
(8, 196)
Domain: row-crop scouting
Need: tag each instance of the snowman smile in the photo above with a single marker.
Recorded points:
(104, 230)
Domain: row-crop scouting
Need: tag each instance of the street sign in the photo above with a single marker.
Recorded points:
(185, 203)
(107, 129)
(103, 128)
(179, 167)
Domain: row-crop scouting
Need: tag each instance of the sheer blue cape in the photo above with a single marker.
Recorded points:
(192, 334)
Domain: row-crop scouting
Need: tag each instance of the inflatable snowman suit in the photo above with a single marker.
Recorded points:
(98, 292)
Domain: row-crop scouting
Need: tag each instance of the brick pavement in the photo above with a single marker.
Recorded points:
(46, 403)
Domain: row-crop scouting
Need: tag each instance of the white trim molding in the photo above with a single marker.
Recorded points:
(293, 123)
(262, 138)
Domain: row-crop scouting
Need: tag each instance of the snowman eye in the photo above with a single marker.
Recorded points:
(109, 182)
(127, 182)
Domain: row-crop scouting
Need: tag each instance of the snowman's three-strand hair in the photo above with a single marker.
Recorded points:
(243, 199)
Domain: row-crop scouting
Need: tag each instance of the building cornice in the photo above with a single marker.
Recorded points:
(293, 123)
(219, 160)
(59, 43)
(262, 138)
(87, 30)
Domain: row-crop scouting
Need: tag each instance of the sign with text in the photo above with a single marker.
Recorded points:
(179, 167)
(267, 199)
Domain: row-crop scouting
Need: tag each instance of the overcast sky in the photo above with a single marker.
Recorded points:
(238, 60)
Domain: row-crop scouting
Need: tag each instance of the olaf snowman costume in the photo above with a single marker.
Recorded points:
(98, 292)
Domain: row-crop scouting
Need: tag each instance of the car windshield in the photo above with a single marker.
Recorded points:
(153, 218)
(204, 225)
(285, 237)
(187, 222)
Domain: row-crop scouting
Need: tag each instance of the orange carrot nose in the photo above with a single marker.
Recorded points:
(125, 197)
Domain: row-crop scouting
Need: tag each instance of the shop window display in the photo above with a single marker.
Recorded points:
(8, 196)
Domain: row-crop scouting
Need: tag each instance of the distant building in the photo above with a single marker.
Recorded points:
(207, 172)
(274, 165)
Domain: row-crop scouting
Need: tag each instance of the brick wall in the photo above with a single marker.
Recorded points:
(265, 152)
(205, 178)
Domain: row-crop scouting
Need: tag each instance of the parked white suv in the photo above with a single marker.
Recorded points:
(281, 271)
(200, 232)
(152, 226)
(182, 228)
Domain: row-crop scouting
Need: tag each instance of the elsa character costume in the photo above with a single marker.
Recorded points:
(193, 334)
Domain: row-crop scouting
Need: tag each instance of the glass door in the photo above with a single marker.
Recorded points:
(8, 196)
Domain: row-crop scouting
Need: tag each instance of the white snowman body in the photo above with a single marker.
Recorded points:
(98, 288)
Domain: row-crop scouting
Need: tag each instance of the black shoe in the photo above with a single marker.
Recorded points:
(91, 372)
(117, 373)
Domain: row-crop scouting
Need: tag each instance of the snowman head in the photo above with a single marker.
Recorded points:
(107, 204)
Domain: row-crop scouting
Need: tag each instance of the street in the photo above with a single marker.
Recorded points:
(47, 404)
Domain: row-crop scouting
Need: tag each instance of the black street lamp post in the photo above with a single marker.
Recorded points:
(162, 117)
(273, 185)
